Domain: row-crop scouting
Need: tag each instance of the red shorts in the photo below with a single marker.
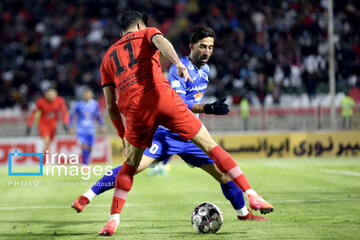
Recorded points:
(47, 131)
(158, 106)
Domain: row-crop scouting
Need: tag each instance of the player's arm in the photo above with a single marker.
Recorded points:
(64, 113)
(99, 119)
(218, 107)
(32, 117)
(73, 114)
(167, 49)
(109, 88)
(113, 110)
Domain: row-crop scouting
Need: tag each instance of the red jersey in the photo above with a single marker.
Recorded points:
(132, 65)
(50, 112)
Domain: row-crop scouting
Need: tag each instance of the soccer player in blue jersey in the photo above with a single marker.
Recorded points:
(167, 143)
(87, 112)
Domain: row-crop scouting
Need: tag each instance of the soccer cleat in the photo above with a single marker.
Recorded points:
(80, 203)
(258, 203)
(109, 229)
(158, 170)
(251, 216)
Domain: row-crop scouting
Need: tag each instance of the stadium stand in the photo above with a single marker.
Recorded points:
(273, 52)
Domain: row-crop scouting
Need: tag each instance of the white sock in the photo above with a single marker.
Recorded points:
(90, 194)
(250, 192)
(116, 217)
(242, 212)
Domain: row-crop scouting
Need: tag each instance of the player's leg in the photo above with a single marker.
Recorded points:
(82, 140)
(160, 168)
(164, 145)
(86, 151)
(161, 149)
(226, 164)
(45, 134)
(47, 142)
(193, 156)
(178, 118)
(105, 183)
(232, 193)
(123, 184)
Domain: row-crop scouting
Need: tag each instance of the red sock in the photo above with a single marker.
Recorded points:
(227, 165)
(123, 184)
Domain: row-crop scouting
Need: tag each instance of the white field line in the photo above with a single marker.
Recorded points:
(340, 172)
(325, 170)
(176, 203)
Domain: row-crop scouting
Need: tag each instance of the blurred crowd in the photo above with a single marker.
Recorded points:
(262, 47)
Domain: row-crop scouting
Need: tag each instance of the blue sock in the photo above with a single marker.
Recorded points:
(234, 194)
(86, 155)
(165, 161)
(106, 182)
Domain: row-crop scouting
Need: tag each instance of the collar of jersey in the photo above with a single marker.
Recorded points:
(196, 67)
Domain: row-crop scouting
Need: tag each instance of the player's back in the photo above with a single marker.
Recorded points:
(133, 65)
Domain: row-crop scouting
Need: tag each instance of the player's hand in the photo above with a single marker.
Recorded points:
(218, 107)
(28, 131)
(102, 130)
(124, 145)
(183, 72)
(66, 128)
(70, 131)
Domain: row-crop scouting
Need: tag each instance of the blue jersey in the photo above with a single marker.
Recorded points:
(190, 92)
(87, 113)
(166, 142)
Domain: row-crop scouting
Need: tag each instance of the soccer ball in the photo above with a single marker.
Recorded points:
(206, 218)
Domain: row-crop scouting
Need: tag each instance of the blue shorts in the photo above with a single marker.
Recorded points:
(86, 139)
(166, 143)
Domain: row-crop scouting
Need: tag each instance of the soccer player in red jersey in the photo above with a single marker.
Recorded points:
(50, 106)
(144, 96)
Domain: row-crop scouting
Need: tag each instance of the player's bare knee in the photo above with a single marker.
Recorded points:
(204, 141)
(224, 179)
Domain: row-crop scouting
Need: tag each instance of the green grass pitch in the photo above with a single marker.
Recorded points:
(313, 199)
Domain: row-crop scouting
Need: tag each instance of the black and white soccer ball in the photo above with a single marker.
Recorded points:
(206, 218)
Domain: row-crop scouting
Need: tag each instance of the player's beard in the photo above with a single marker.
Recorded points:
(202, 60)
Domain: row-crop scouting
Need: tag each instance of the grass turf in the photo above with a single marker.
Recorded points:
(313, 199)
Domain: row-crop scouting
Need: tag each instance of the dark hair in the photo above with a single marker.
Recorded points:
(130, 18)
(201, 32)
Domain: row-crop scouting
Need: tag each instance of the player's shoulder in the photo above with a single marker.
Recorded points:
(60, 99)
(94, 102)
(40, 101)
(151, 30)
(206, 69)
(79, 103)
(187, 63)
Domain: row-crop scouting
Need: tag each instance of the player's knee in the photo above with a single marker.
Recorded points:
(204, 141)
(224, 179)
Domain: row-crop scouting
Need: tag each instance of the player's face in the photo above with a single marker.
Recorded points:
(50, 95)
(88, 95)
(202, 50)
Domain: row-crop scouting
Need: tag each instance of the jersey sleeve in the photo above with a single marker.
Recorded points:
(179, 85)
(150, 33)
(73, 113)
(106, 79)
